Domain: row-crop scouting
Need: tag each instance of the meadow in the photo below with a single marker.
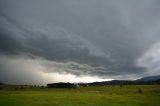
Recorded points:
(126, 95)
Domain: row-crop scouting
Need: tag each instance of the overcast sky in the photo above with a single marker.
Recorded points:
(44, 41)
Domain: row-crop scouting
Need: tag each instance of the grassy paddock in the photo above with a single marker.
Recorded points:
(87, 96)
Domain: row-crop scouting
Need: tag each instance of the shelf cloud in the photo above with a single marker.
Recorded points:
(103, 39)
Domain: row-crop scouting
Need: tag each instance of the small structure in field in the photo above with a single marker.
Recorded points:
(139, 90)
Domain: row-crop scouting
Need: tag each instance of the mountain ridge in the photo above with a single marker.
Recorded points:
(150, 78)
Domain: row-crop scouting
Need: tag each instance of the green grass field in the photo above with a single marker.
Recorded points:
(88, 96)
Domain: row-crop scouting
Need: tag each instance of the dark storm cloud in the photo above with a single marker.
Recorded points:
(51, 46)
(99, 37)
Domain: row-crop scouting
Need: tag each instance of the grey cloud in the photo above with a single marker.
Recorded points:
(20, 71)
(107, 36)
(57, 45)
(151, 59)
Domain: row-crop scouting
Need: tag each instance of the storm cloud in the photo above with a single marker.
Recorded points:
(107, 39)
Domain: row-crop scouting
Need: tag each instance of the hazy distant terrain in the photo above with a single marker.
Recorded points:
(150, 78)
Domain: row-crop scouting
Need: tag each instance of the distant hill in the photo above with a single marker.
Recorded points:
(150, 78)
